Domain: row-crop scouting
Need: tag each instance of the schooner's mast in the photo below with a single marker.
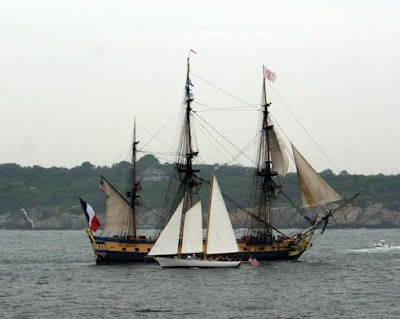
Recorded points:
(134, 185)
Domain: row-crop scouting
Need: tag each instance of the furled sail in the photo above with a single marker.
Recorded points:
(118, 211)
(192, 241)
(280, 161)
(314, 190)
(167, 242)
(220, 237)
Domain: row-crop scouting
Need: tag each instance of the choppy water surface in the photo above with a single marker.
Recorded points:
(52, 274)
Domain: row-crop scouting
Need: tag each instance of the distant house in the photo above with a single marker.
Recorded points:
(153, 174)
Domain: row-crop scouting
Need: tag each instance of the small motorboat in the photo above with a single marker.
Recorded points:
(381, 244)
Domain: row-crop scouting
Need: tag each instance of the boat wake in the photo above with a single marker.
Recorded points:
(375, 249)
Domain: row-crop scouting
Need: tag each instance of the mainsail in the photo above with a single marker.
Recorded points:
(118, 210)
(314, 190)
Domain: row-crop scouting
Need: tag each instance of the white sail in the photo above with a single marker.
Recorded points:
(220, 236)
(192, 241)
(167, 242)
(314, 190)
(118, 211)
(280, 161)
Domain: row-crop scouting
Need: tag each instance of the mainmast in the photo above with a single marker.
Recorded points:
(186, 167)
(265, 172)
(134, 185)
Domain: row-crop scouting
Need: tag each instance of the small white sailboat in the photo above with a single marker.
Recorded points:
(182, 238)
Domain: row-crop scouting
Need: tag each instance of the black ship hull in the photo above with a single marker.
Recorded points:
(113, 257)
(116, 257)
(270, 256)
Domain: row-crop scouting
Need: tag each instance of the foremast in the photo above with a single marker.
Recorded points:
(134, 185)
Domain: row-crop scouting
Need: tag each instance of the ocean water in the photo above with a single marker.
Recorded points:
(52, 274)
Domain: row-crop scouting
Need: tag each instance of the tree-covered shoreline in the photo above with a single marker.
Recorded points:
(36, 188)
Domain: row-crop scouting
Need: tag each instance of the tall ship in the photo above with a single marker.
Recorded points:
(119, 241)
(261, 239)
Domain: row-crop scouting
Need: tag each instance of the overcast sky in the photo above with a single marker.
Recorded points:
(74, 75)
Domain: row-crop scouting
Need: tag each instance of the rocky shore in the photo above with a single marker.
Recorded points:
(57, 218)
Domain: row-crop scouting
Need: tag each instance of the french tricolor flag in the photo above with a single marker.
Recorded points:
(94, 223)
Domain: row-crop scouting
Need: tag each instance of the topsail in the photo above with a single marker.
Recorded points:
(280, 161)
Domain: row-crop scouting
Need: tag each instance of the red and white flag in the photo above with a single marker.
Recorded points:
(253, 262)
(91, 218)
(269, 75)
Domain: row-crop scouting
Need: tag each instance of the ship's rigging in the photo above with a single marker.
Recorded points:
(261, 237)
(272, 163)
